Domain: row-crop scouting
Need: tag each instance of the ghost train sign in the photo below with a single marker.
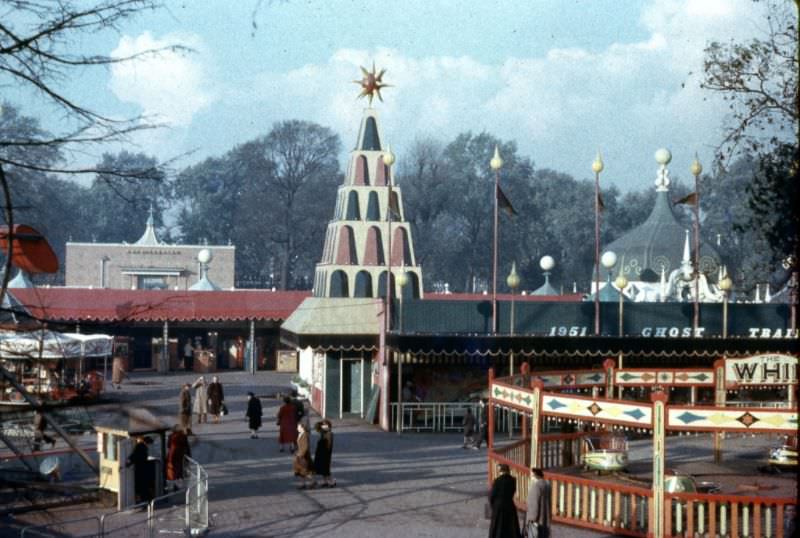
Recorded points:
(767, 369)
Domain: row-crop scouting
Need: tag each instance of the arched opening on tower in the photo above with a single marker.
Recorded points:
(382, 284)
(411, 290)
(363, 287)
(381, 173)
(346, 253)
(362, 172)
(339, 287)
(401, 253)
(353, 210)
(373, 209)
(394, 207)
(370, 140)
(373, 250)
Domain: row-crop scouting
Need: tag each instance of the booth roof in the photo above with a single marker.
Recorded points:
(137, 421)
(114, 305)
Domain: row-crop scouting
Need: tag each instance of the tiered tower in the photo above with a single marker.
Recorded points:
(355, 258)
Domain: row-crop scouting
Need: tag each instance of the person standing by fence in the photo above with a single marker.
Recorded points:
(537, 519)
(505, 522)
(200, 407)
(177, 450)
(469, 429)
(185, 408)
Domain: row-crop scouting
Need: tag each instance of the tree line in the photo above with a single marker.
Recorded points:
(272, 197)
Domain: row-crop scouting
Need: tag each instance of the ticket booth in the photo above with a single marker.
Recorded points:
(116, 436)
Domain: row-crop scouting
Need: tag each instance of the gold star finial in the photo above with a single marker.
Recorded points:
(371, 84)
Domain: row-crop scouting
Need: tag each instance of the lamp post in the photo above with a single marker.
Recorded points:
(725, 285)
(513, 283)
(388, 160)
(496, 163)
(621, 283)
(696, 169)
(402, 280)
(597, 167)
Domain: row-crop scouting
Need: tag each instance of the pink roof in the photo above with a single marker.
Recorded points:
(114, 305)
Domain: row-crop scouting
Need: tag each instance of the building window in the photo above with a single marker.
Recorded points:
(151, 282)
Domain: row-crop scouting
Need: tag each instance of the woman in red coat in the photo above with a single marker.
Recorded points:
(287, 421)
(177, 448)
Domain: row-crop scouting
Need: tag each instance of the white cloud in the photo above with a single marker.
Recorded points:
(169, 86)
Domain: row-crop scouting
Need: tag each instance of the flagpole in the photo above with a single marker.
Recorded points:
(496, 163)
(597, 167)
(696, 169)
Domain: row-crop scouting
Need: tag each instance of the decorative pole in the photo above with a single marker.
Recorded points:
(659, 400)
(496, 164)
(388, 160)
(725, 285)
(621, 282)
(597, 167)
(402, 280)
(696, 169)
(513, 282)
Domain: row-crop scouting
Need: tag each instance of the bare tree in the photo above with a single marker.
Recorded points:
(758, 79)
(40, 49)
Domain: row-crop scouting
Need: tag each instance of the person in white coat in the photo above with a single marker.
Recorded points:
(200, 407)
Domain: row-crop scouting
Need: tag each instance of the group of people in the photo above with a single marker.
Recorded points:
(293, 434)
(505, 521)
(209, 399)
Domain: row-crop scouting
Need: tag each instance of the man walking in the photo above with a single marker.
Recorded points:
(537, 519)
(469, 430)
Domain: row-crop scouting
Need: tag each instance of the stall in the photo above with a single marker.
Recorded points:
(116, 438)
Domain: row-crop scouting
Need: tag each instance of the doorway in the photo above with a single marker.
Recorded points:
(352, 381)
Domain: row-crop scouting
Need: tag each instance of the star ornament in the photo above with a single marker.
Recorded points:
(371, 84)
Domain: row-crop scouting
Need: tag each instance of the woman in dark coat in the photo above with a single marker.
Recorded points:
(505, 522)
(215, 398)
(185, 409)
(254, 413)
(322, 456)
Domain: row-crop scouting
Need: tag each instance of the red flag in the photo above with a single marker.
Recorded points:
(600, 205)
(689, 199)
(504, 203)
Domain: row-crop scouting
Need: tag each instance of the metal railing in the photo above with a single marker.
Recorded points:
(448, 416)
(183, 512)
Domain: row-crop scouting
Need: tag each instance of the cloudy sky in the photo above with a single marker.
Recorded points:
(563, 78)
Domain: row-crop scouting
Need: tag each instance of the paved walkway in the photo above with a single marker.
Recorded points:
(389, 485)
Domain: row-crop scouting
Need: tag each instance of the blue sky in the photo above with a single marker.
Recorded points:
(563, 78)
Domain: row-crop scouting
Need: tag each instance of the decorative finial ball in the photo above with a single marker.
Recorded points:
(726, 283)
(204, 256)
(597, 164)
(608, 259)
(388, 157)
(696, 168)
(621, 282)
(496, 163)
(513, 278)
(663, 156)
(547, 263)
(402, 279)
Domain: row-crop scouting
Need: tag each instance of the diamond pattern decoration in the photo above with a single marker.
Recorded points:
(625, 376)
(701, 376)
(555, 404)
(636, 414)
(664, 377)
(747, 419)
(687, 417)
(569, 379)
(594, 409)
(595, 377)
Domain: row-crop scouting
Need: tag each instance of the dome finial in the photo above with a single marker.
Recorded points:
(663, 158)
